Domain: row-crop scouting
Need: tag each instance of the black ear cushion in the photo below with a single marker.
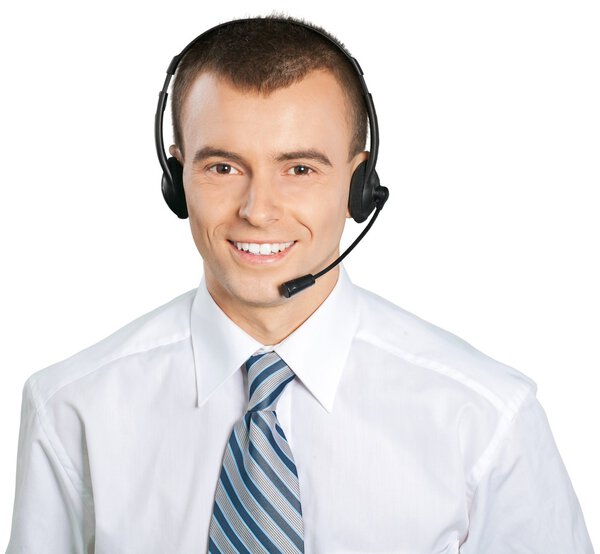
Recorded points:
(361, 199)
(172, 188)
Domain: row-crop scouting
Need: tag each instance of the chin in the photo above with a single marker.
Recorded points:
(256, 291)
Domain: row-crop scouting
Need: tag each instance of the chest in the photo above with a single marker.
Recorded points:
(371, 479)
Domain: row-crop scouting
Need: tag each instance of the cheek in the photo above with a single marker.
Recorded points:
(324, 216)
(206, 215)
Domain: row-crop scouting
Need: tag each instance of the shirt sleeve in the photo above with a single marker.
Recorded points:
(525, 501)
(51, 514)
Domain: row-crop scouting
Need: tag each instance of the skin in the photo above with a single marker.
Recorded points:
(257, 198)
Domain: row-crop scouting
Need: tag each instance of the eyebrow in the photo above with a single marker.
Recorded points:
(310, 154)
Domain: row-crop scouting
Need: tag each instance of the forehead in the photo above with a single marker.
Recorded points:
(318, 85)
(314, 108)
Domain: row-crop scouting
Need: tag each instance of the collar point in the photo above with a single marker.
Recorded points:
(328, 407)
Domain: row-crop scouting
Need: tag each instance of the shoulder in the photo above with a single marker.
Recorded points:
(164, 325)
(434, 350)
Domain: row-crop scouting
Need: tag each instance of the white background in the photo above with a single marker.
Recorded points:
(490, 138)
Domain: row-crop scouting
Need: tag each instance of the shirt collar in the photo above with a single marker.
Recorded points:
(316, 351)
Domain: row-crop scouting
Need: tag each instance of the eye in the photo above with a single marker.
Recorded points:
(303, 170)
(222, 169)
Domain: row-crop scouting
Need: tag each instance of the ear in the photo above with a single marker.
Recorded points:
(356, 161)
(176, 153)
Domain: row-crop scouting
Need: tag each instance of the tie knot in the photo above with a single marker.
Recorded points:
(268, 375)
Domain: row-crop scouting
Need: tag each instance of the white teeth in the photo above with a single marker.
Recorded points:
(263, 249)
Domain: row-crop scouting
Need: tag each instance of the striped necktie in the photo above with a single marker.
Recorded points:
(257, 502)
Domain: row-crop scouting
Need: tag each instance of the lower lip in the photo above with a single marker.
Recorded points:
(260, 258)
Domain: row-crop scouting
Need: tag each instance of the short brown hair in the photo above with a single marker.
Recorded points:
(265, 54)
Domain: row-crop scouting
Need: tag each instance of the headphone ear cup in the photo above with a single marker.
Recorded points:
(361, 199)
(172, 188)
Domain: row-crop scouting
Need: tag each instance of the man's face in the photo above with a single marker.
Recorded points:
(282, 176)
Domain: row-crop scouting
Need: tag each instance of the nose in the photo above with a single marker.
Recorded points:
(261, 203)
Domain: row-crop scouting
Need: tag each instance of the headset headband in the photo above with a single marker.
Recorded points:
(163, 95)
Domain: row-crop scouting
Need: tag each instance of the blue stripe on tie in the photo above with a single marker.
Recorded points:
(280, 431)
(220, 517)
(271, 398)
(248, 519)
(229, 532)
(213, 548)
(264, 427)
(250, 361)
(265, 374)
(281, 486)
(267, 506)
(231, 493)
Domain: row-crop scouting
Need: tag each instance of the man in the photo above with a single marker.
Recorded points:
(234, 419)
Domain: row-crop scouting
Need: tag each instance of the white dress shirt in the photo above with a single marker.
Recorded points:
(407, 440)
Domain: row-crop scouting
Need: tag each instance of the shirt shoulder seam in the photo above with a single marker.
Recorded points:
(505, 425)
(438, 367)
(32, 380)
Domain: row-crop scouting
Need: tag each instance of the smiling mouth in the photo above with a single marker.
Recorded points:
(262, 249)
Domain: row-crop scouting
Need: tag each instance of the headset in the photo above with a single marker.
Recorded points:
(365, 195)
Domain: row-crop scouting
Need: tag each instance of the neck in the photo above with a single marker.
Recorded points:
(270, 324)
